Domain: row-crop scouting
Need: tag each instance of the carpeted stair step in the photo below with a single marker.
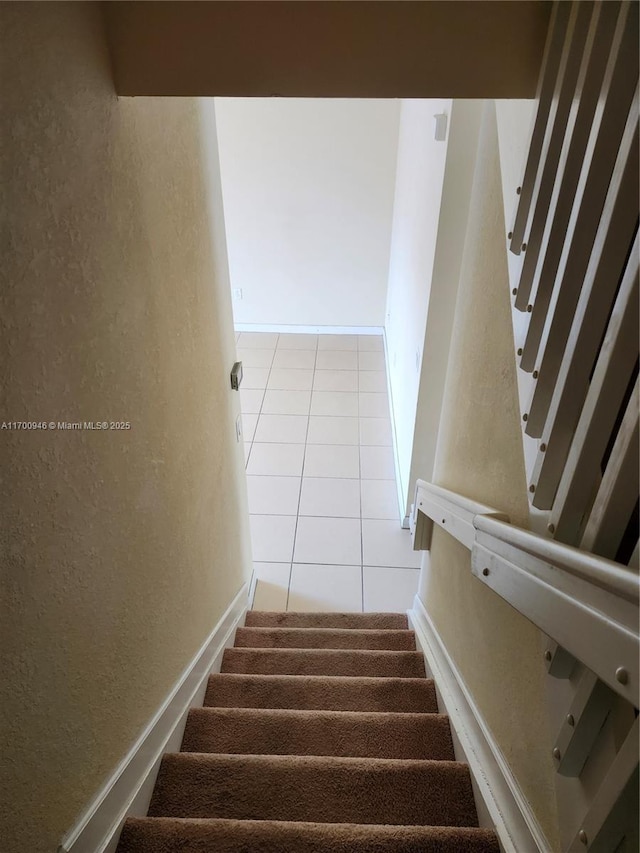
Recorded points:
(253, 731)
(373, 621)
(320, 735)
(313, 692)
(319, 789)
(168, 835)
(324, 662)
(325, 638)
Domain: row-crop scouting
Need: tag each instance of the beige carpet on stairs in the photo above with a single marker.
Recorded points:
(321, 733)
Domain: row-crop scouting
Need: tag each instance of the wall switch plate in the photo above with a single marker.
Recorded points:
(236, 375)
(239, 428)
(440, 132)
(237, 293)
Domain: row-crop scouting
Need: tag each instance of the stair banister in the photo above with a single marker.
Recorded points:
(453, 512)
(587, 604)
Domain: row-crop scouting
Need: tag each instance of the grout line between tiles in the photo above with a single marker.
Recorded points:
(264, 394)
(360, 496)
(351, 565)
(304, 459)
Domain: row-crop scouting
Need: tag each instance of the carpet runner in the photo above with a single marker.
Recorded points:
(321, 733)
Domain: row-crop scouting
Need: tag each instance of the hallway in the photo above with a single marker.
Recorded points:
(325, 523)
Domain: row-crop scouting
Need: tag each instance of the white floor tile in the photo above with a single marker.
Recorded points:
(326, 496)
(370, 343)
(286, 402)
(272, 588)
(385, 543)
(297, 341)
(258, 340)
(255, 377)
(336, 360)
(332, 460)
(272, 537)
(373, 405)
(375, 431)
(332, 430)
(370, 360)
(276, 572)
(296, 359)
(255, 357)
(335, 380)
(373, 380)
(389, 590)
(290, 379)
(338, 342)
(328, 540)
(270, 495)
(284, 460)
(320, 588)
(380, 499)
(331, 467)
(334, 403)
(250, 401)
(377, 463)
(249, 423)
(285, 429)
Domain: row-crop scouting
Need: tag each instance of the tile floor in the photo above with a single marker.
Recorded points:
(325, 522)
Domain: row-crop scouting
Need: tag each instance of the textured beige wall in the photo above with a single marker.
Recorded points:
(120, 550)
(479, 454)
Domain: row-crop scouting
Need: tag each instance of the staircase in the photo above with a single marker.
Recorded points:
(321, 733)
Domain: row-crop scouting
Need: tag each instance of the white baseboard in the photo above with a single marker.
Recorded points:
(497, 791)
(394, 439)
(253, 583)
(308, 330)
(128, 791)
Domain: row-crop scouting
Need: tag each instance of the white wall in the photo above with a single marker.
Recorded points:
(464, 128)
(308, 187)
(419, 180)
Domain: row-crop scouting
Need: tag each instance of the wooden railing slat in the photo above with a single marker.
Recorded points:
(563, 97)
(557, 398)
(544, 97)
(609, 382)
(548, 328)
(537, 285)
(606, 266)
(589, 709)
(613, 812)
(617, 495)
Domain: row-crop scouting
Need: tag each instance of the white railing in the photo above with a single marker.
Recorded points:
(575, 281)
(575, 285)
(588, 607)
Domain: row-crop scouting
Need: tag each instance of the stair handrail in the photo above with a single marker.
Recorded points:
(587, 604)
